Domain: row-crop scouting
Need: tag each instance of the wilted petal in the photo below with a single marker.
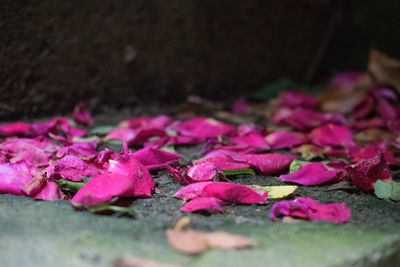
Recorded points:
(37, 151)
(305, 119)
(81, 115)
(251, 140)
(240, 107)
(203, 128)
(332, 135)
(160, 122)
(14, 177)
(127, 178)
(14, 129)
(80, 149)
(154, 158)
(225, 163)
(310, 174)
(266, 163)
(49, 192)
(73, 169)
(297, 99)
(366, 172)
(204, 172)
(308, 209)
(203, 203)
(282, 139)
(228, 193)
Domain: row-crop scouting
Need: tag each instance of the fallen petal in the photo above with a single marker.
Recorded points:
(310, 174)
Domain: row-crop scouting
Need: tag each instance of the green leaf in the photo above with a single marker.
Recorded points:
(294, 166)
(69, 187)
(395, 192)
(272, 89)
(169, 149)
(101, 130)
(126, 210)
(382, 189)
(241, 171)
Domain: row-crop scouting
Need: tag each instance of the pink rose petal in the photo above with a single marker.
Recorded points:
(160, 122)
(38, 151)
(332, 135)
(203, 128)
(251, 140)
(81, 115)
(14, 177)
(203, 203)
(81, 149)
(73, 169)
(366, 172)
(134, 137)
(154, 158)
(49, 192)
(14, 129)
(203, 172)
(310, 174)
(127, 178)
(266, 163)
(308, 209)
(240, 107)
(225, 163)
(347, 80)
(305, 119)
(282, 139)
(296, 99)
(228, 193)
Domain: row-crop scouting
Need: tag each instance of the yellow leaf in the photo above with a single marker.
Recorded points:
(275, 192)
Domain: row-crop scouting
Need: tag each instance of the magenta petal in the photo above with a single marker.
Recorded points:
(37, 151)
(14, 177)
(103, 188)
(366, 172)
(225, 163)
(127, 178)
(304, 119)
(310, 174)
(160, 122)
(49, 192)
(81, 149)
(347, 80)
(204, 172)
(203, 128)
(332, 135)
(228, 193)
(154, 158)
(266, 163)
(296, 99)
(125, 135)
(203, 203)
(251, 140)
(81, 115)
(192, 191)
(72, 168)
(282, 139)
(14, 129)
(240, 107)
(308, 209)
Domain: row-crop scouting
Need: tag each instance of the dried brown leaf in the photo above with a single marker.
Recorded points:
(194, 242)
(188, 241)
(226, 241)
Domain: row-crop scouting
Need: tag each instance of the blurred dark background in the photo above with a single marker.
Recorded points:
(146, 52)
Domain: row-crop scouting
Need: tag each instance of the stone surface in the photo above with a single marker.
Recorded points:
(36, 233)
